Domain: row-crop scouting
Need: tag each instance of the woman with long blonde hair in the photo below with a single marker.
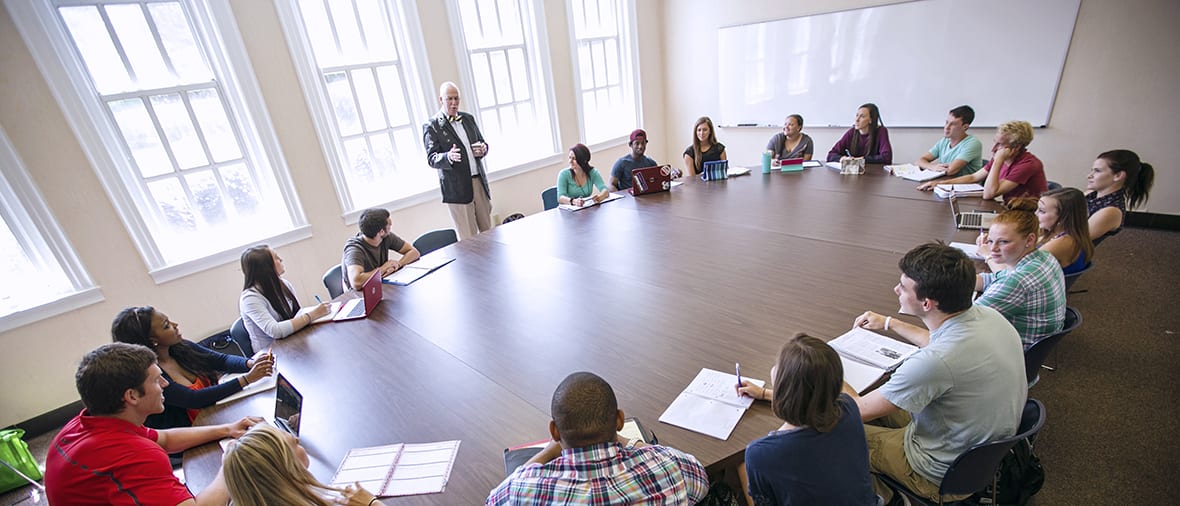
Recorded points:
(267, 466)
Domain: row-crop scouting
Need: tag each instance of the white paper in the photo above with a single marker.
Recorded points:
(589, 202)
(676, 183)
(860, 376)
(332, 309)
(913, 172)
(872, 348)
(710, 405)
(410, 468)
(631, 430)
(412, 272)
(971, 250)
(959, 190)
(262, 385)
(833, 165)
(738, 171)
(812, 163)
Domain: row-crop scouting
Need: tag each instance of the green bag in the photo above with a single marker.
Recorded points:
(15, 452)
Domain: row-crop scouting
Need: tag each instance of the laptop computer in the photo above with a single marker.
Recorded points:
(288, 406)
(974, 220)
(360, 308)
(651, 180)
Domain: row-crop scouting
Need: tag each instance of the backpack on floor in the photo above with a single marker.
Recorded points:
(15, 452)
(1019, 477)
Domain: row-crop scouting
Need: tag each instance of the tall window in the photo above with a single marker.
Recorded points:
(364, 88)
(604, 51)
(155, 91)
(36, 262)
(500, 44)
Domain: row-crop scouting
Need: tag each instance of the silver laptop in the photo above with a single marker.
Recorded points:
(974, 220)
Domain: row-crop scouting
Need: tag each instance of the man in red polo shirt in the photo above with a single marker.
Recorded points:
(106, 456)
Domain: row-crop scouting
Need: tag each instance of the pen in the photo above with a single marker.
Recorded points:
(318, 299)
(737, 366)
(849, 153)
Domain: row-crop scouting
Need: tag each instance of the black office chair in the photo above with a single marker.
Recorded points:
(976, 468)
(242, 338)
(1070, 279)
(1053, 185)
(334, 281)
(435, 239)
(549, 197)
(512, 217)
(1034, 356)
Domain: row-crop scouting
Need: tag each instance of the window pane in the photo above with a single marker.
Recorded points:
(598, 53)
(585, 65)
(219, 135)
(380, 41)
(240, 188)
(351, 47)
(319, 31)
(340, 93)
(173, 205)
(483, 78)
(390, 82)
(26, 284)
(178, 40)
(140, 45)
(366, 91)
(207, 196)
(500, 71)
(98, 52)
(182, 137)
(382, 152)
(140, 134)
(519, 74)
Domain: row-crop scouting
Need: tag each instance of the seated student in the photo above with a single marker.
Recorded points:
(791, 142)
(1020, 173)
(868, 138)
(190, 370)
(1065, 233)
(576, 184)
(267, 466)
(268, 304)
(1117, 178)
(105, 455)
(958, 152)
(589, 462)
(704, 147)
(964, 386)
(819, 455)
(368, 251)
(620, 174)
(1027, 287)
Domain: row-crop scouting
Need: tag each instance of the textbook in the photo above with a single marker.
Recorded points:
(412, 272)
(516, 456)
(959, 190)
(710, 405)
(913, 172)
(399, 469)
(589, 202)
(867, 356)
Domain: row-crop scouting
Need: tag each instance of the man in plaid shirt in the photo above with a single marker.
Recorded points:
(588, 462)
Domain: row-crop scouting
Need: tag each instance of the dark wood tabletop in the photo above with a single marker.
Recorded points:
(644, 291)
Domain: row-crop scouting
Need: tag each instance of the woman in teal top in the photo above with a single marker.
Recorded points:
(576, 184)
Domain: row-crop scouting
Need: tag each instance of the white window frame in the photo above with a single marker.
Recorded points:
(35, 228)
(412, 48)
(67, 78)
(629, 72)
(541, 79)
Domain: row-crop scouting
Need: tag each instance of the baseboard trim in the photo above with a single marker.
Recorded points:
(1153, 220)
(50, 421)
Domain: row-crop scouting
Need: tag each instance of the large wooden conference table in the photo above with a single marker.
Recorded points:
(644, 291)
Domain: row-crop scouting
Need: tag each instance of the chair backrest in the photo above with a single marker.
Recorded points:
(435, 239)
(1072, 278)
(334, 282)
(549, 197)
(1053, 185)
(512, 217)
(976, 468)
(1035, 355)
(242, 337)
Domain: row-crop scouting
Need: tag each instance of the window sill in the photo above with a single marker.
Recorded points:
(71, 302)
(233, 254)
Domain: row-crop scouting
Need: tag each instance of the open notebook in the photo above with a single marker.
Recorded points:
(710, 405)
(867, 356)
(399, 469)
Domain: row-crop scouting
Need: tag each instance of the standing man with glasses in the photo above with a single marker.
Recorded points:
(456, 148)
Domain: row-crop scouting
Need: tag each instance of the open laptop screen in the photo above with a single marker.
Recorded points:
(288, 405)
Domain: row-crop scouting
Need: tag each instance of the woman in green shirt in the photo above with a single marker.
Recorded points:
(575, 185)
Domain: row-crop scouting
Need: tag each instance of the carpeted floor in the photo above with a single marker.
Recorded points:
(1110, 436)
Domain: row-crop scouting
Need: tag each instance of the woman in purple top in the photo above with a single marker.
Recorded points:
(1117, 178)
(867, 138)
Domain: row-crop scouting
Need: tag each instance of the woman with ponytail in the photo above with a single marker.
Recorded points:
(192, 370)
(1029, 290)
(1118, 181)
(868, 138)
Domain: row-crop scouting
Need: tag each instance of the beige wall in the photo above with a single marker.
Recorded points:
(46, 353)
(1113, 92)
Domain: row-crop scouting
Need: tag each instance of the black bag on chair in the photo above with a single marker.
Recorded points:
(1019, 477)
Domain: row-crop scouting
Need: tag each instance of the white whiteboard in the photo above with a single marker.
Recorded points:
(915, 60)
